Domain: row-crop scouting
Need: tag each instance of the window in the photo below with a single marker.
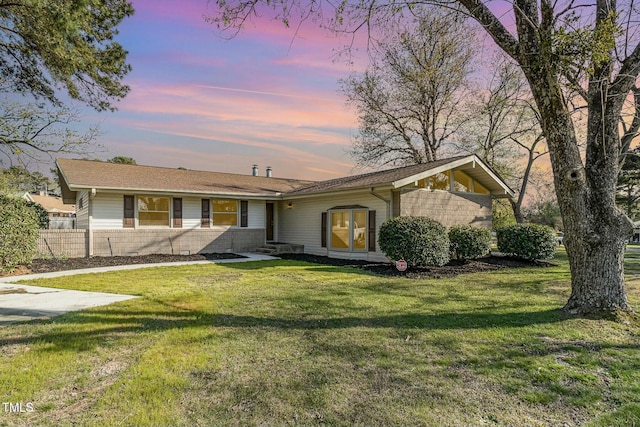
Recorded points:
(461, 182)
(225, 212)
(153, 211)
(349, 230)
(340, 230)
(440, 181)
(479, 188)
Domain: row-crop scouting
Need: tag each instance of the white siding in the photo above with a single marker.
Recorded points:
(257, 214)
(108, 210)
(191, 211)
(302, 223)
(82, 215)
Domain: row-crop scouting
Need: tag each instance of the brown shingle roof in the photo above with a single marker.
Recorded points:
(371, 179)
(85, 174)
(81, 174)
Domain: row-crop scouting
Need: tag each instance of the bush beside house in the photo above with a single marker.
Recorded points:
(417, 240)
(527, 241)
(469, 242)
(18, 233)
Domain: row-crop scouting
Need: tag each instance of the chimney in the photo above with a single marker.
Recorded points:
(255, 170)
(269, 173)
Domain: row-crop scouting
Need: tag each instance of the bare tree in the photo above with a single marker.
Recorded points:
(33, 131)
(590, 48)
(410, 98)
(504, 128)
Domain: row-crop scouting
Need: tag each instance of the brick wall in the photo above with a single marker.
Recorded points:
(62, 243)
(448, 208)
(74, 243)
(175, 241)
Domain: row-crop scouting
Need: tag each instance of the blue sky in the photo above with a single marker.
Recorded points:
(268, 96)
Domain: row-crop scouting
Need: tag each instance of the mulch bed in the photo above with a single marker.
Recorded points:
(53, 264)
(454, 268)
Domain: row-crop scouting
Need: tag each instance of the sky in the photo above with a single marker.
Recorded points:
(269, 96)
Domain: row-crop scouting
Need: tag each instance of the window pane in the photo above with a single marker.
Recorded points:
(360, 230)
(461, 182)
(147, 203)
(479, 188)
(153, 211)
(225, 219)
(226, 206)
(440, 181)
(153, 218)
(340, 230)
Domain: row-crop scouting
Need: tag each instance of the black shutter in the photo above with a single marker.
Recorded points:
(372, 231)
(128, 219)
(323, 228)
(244, 213)
(177, 213)
(206, 214)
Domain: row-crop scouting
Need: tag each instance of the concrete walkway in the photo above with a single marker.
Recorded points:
(20, 302)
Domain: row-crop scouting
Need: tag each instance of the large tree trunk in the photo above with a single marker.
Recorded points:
(596, 231)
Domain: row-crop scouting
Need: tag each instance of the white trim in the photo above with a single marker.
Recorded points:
(143, 191)
(440, 169)
(473, 160)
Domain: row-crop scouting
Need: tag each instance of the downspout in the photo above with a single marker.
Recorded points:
(92, 194)
(387, 201)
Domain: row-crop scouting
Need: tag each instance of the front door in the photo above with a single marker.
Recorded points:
(269, 223)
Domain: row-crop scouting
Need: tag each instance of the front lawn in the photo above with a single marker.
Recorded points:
(292, 343)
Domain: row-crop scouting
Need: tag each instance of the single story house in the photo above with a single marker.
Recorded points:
(132, 209)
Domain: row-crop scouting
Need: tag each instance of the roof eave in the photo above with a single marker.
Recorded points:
(367, 188)
(504, 192)
(266, 196)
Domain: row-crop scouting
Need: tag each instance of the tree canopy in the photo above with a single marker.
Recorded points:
(50, 45)
(409, 100)
(29, 131)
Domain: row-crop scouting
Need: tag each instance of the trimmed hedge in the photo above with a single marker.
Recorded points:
(528, 241)
(469, 242)
(417, 240)
(18, 233)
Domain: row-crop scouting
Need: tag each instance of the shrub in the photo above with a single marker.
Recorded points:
(18, 233)
(469, 242)
(527, 241)
(417, 240)
(43, 215)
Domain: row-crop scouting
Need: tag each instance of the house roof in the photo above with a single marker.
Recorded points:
(400, 177)
(50, 203)
(86, 174)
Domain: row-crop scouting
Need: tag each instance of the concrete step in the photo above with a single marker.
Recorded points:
(265, 251)
(280, 248)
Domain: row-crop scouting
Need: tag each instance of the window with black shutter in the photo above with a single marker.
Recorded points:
(244, 213)
(128, 220)
(205, 218)
(177, 213)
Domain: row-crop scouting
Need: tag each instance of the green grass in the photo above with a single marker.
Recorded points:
(291, 343)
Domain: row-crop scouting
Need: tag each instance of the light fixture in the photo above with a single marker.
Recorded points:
(290, 205)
